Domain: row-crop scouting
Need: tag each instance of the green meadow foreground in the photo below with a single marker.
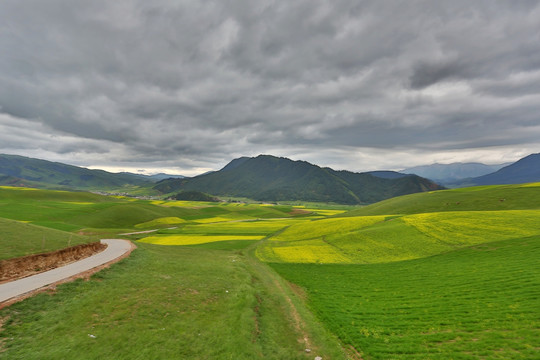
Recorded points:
(445, 275)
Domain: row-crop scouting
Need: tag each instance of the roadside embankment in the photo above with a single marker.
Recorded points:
(16, 268)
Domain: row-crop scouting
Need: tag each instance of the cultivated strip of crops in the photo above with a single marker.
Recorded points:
(374, 239)
(194, 239)
(171, 220)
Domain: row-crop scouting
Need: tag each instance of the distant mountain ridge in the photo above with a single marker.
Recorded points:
(265, 178)
(525, 170)
(155, 177)
(448, 173)
(386, 174)
(24, 171)
(269, 178)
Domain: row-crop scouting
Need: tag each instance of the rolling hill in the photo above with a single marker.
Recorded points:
(269, 178)
(479, 198)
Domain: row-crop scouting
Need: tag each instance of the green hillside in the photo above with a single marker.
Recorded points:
(479, 198)
(268, 178)
(21, 239)
(86, 212)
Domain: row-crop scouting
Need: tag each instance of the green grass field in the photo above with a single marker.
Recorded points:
(443, 275)
(209, 300)
(20, 239)
(163, 302)
(479, 198)
(95, 214)
(479, 302)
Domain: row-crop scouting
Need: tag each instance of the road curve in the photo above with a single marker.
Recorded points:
(115, 249)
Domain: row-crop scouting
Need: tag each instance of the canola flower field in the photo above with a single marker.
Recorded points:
(194, 239)
(374, 239)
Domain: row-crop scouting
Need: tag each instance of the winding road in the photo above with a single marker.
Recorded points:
(14, 289)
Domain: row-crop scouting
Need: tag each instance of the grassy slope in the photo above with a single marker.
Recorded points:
(375, 239)
(162, 303)
(20, 239)
(474, 303)
(496, 197)
(73, 211)
(412, 226)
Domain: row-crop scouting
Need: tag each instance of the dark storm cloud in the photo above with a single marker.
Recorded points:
(426, 73)
(192, 84)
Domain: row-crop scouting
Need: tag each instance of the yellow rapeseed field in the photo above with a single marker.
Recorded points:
(537, 184)
(239, 227)
(376, 239)
(194, 239)
(315, 229)
(161, 221)
(212, 220)
(182, 203)
(475, 227)
(16, 188)
(325, 212)
(309, 251)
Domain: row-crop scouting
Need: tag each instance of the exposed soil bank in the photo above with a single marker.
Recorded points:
(12, 269)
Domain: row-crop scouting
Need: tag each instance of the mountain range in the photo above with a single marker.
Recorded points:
(24, 171)
(264, 178)
(449, 173)
(525, 170)
(270, 178)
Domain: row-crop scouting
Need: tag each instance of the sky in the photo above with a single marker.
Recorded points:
(184, 87)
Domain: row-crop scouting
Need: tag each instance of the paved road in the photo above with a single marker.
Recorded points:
(115, 249)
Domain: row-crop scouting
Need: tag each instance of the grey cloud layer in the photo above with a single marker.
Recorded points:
(173, 81)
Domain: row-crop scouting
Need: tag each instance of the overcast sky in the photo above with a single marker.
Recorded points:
(186, 86)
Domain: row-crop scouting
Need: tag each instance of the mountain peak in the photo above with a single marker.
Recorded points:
(271, 178)
(233, 164)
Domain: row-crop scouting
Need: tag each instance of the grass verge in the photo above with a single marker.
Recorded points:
(161, 303)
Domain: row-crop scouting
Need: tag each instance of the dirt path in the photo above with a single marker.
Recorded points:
(17, 290)
(308, 331)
